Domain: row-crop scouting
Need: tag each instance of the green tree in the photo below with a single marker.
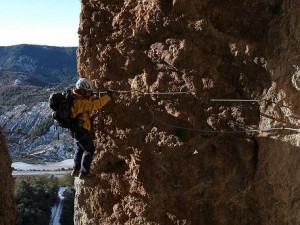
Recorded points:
(66, 181)
(34, 197)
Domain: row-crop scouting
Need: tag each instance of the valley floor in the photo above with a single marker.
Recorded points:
(57, 168)
(65, 165)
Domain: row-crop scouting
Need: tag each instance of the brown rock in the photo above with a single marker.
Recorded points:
(7, 205)
(151, 170)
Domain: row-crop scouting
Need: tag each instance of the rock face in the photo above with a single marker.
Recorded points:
(7, 207)
(184, 159)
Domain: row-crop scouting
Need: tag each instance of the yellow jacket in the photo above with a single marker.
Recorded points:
(85, 107)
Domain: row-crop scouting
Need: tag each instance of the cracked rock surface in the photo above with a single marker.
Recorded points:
(183, 159)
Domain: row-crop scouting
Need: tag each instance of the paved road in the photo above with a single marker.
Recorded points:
(57, 209)
(33, 173)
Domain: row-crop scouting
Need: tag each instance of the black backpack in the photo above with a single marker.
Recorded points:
(61, 104)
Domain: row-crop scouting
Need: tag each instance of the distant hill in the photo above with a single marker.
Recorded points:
(28, 75)
(45, 65)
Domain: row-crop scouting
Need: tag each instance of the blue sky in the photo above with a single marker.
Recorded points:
(43, 22)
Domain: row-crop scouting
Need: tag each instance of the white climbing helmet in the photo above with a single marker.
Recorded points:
(84, 84)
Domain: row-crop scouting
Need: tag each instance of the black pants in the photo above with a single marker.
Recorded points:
(84, 151)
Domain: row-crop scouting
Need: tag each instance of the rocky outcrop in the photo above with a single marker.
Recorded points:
(184, 159)
(7, 205)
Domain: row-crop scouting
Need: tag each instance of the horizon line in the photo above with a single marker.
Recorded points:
(46, 45)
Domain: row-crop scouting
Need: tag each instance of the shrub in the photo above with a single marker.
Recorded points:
(42, 128)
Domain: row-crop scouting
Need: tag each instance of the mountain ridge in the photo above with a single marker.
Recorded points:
(50, 64)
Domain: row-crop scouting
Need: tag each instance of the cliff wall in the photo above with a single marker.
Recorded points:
(7, 205)
(184, 159)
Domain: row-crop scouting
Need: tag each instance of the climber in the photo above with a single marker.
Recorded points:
(84, 103)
